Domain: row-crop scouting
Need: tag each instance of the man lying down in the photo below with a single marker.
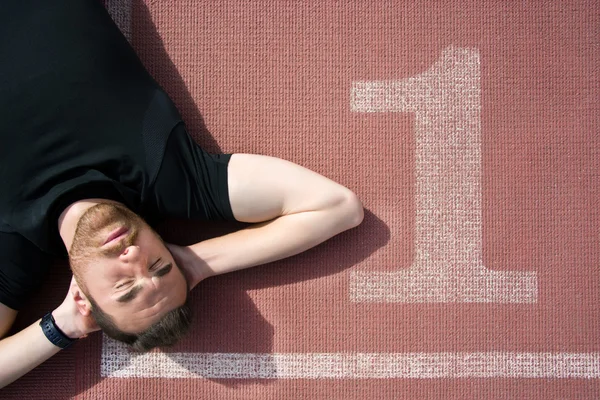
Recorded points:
(93, 152)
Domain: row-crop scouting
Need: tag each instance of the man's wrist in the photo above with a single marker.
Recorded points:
(64, 322)
(198, 263)
(192, 266)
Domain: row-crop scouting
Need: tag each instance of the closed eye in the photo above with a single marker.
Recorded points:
(154, 265)
(122, 285)
(130, 295)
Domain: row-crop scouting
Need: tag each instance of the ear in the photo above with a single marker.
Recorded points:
(81, 301)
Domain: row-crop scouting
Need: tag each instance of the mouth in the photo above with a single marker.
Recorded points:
(116, 235)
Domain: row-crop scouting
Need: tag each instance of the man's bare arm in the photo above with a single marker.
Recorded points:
(27, 349)
(297, 209)
(22, 352)
(7, 317)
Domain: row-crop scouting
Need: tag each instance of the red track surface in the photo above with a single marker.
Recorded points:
(279, 78)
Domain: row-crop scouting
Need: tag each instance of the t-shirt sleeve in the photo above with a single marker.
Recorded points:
(190, 183)
(22, 269)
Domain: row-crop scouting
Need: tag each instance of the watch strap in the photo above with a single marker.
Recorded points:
(53, 332)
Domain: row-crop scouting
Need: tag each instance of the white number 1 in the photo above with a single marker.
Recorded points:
(449, 264)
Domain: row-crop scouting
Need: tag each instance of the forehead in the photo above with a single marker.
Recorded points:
(138, 317)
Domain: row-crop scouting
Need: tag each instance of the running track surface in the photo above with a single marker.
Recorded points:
(470, 130)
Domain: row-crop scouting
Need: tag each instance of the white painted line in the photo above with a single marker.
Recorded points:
(119, 362)
(448, 266)
(413, 286)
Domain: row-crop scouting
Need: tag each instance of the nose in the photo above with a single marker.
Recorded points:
(129, 253)
(132, 256)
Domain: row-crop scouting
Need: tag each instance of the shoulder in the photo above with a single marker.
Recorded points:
(23, 267)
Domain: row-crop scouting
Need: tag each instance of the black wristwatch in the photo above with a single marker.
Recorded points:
(53, 332)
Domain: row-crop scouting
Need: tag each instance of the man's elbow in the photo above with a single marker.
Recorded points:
(353, 212)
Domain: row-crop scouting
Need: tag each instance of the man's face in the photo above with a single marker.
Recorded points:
(125, 267)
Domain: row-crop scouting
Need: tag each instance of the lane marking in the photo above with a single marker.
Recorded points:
(121, 363)
(448, 266)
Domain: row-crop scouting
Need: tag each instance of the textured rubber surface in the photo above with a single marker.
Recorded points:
(470, 130)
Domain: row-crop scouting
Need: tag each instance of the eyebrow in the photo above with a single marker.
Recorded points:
(132, 294)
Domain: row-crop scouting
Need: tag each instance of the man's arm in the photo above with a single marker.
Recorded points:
(25, 350)
(22, 352)
(7, 317)
(294, 208)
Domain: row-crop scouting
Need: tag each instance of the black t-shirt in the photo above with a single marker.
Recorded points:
(80, 117)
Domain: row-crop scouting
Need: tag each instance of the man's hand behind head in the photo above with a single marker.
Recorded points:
(194, 268)
(71, 317)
